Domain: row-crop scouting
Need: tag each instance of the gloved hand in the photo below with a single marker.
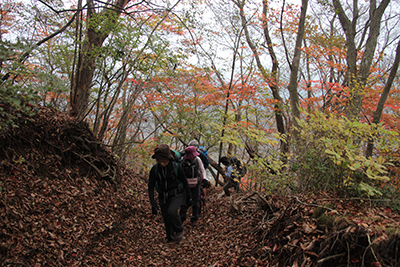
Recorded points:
(205, 183)
(189, 202)
(154, 208)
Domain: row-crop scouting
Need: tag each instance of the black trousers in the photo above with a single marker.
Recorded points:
(170, 213)
(229, 185)
(195, 191)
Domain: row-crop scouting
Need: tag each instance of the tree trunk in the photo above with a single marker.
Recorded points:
(384, 96)
(358, 80)
(95, 36)
(294, 95)
(272, 83)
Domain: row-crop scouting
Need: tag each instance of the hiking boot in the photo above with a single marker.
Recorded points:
(178, 236)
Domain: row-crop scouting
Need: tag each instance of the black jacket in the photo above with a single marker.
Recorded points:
(168, 181)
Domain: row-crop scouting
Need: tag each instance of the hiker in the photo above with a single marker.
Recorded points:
(202, 152)
(170, 182)
(195, 173)
(235, 170)
(204, 158)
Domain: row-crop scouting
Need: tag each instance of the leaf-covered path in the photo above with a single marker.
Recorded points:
(220, 239)
(66, 201)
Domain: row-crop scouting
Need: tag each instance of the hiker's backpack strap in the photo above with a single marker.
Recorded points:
(175, 166)
(157, 187)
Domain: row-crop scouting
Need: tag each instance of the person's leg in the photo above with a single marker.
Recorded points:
(196, 202)
(183, 209)
(237, 187)
(174, 218)
(167, 223)
(227, 186)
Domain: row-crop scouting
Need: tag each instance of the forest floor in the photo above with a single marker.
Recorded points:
(67, 201)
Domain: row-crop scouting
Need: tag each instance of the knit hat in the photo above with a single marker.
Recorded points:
(162, 151)
(194, 143)
(190, 152)
(225, 160)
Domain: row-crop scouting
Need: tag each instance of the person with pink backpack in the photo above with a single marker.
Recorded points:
(195, 173)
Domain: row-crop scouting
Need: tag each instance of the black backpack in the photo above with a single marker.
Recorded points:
(191, 168)
(175, 175)
(239, 168)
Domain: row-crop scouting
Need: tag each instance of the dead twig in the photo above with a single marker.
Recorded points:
(312, 205)
(18, 169)
(331, 257)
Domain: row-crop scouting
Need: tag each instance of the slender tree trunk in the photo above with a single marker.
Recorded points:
(358, 80)
(226, 112)
(384, 96)
(272, 83)
(294, 95)
(95, 36)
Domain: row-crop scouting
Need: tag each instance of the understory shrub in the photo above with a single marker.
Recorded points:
(328, 155)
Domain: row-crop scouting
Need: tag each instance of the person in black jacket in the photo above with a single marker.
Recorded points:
(171, 184)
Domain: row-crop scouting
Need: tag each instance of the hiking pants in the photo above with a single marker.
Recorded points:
(195, 191)
(169, 211)
(229, 185)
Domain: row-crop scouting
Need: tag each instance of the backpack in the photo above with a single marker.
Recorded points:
(178, 157)
(175, 164)
(192, 172)
(239, 169)
(204, 158)
(204, 150)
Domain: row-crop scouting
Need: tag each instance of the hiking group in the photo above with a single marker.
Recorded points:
(180, 180)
